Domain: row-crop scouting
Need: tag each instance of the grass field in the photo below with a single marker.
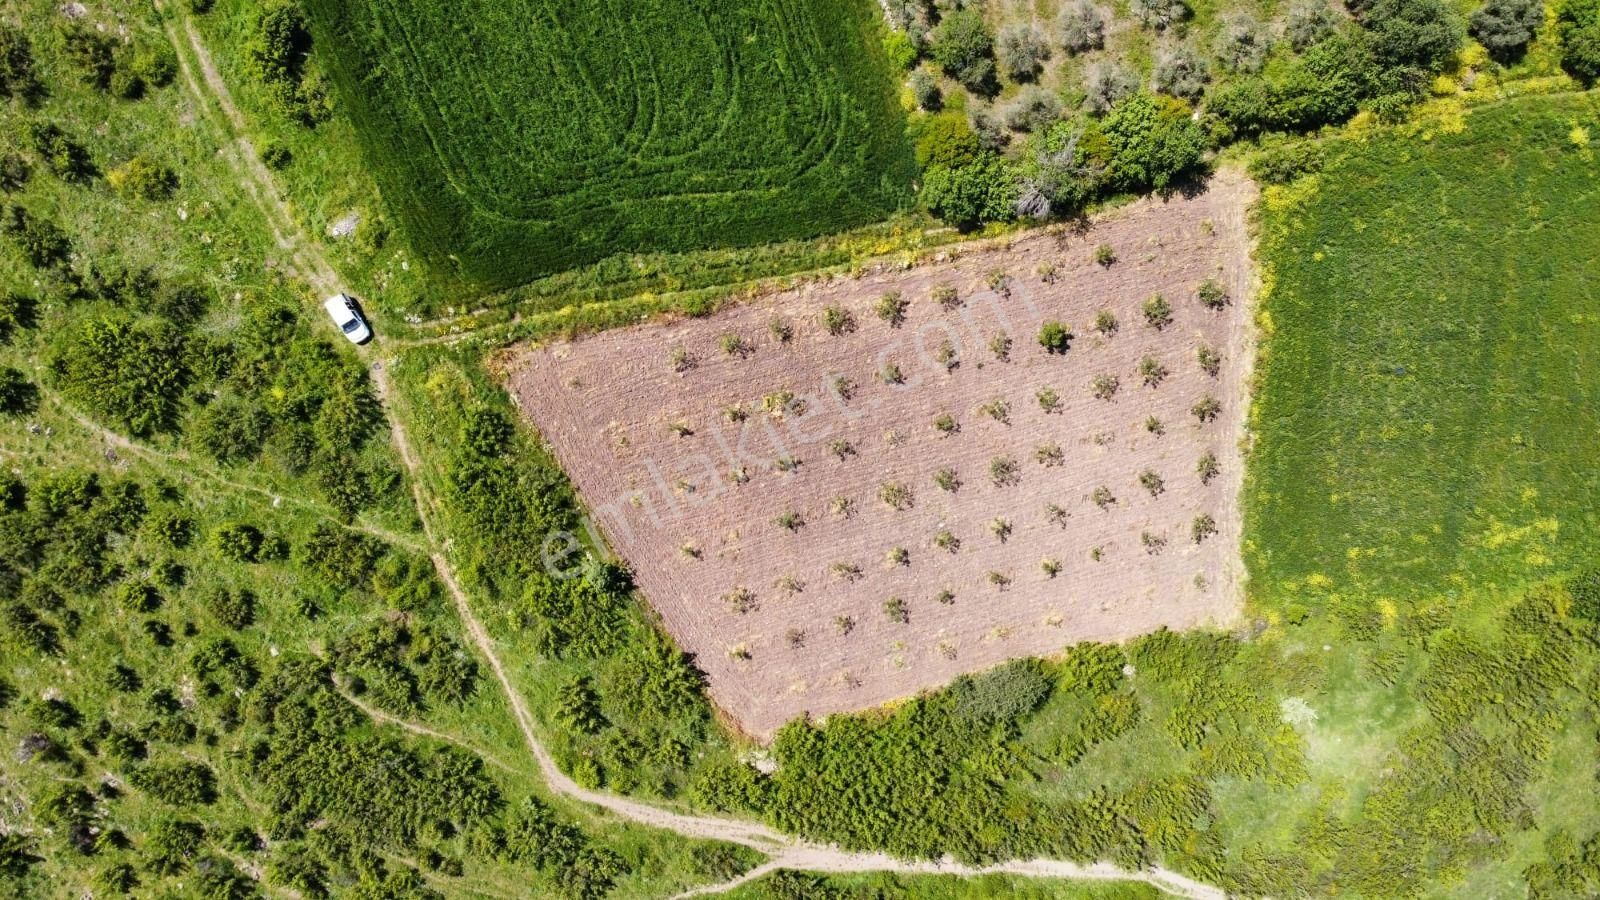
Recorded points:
(1430, 398)
(513, 138)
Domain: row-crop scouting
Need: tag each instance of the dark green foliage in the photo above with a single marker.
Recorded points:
(177, 784)
(686, 147)
(42, 243)
(731, 787)
(54, 713)
(578, 707)
(1506, 27)
(532, 835)
(93, 54)
(17, 311)
(1412, 35)
(1003, 694)
(280, 55)
(233, 607)
(339, 556)
(294, 865)
(62, 155)
(220, 659)
(403, 668)
(652, 681)
(16, 856)
(984, 190)
(17, 76)
(1284, 164)
(1578, 24)
(963, 46)
(576, 619)
(130, 372)
(231, 431)
(239, 542)
(18, 395)
(314, 764)
(172, 845)
(217, 879)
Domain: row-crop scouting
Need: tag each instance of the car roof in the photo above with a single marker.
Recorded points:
(338, 303)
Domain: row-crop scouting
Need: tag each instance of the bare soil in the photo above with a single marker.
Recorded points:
(774, 613)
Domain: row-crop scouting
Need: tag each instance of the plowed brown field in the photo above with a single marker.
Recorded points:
(829, 611)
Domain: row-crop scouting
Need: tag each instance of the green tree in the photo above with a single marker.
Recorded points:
(984, 190)
(963, 46)
(1149, 142)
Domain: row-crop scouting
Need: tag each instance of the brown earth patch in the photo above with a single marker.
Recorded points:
(796, 616)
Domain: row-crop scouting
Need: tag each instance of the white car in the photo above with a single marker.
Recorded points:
(343, 311)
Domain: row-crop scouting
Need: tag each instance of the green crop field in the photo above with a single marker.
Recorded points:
(1429, 416)
(514, 138)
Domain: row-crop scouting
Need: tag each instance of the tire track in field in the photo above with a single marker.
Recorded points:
(786, 852)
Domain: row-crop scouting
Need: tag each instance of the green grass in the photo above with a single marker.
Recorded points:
(938, 887)
(1430, 391)
(514, 138)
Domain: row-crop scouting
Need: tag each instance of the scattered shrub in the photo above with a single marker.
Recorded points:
(1104, 386)
(925, 91)
(1157, 312)
(1243, 44)
(1308, 22)
(1081, 26)
(1055, 337)
(1207, 409)
(1105, 85)
(1159, 14)
(1022, 51)
(1034, 109)
(1181, 72)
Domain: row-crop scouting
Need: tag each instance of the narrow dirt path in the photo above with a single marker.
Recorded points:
(787, 852)
(378, 715)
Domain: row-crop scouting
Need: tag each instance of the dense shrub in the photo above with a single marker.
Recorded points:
(177, 784)
(93, 54)
(1412, 35)
(1579, 27)
(280, 54)
(17, 76)
(925, 90)
(18, 395)
(230, 430)
(133, 373)
(146, 180)
(1506, 27)
(239, 542)
(68, 159)
(42, 243)
(984, 190)
(946, 140)
(235, 608)
(1149, 143)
